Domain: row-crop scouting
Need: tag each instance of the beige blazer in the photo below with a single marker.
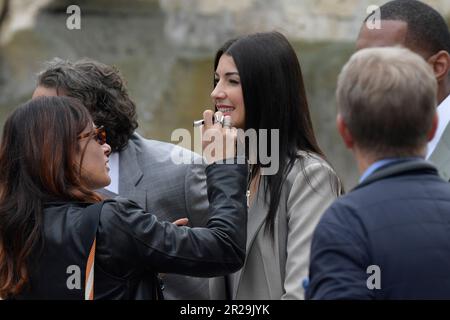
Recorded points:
(264, 275)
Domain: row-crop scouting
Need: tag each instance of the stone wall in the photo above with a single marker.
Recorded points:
(206, 23)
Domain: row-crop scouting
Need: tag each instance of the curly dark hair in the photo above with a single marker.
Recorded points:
(102, 91)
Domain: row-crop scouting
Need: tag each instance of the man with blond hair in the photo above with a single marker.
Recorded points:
(387, 238)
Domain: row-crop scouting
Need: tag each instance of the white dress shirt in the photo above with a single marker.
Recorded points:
(114, 172)
(443, 112)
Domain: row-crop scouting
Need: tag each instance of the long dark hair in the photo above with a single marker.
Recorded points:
(37, 164)
(274, 98)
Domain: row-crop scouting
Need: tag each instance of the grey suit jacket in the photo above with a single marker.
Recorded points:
(149, 176)
(264, 276)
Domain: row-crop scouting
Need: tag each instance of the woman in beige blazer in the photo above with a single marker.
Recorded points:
(258, 82)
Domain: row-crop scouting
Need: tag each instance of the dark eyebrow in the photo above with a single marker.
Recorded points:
(228, 74)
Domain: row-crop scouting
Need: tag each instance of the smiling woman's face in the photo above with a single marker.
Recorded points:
(94, 168)
(227, 95)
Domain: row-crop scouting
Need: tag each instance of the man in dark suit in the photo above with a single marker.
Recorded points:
(389, 237)
(420, 28)
(141, 170)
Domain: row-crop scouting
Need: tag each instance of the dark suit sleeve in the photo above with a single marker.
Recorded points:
(196, 198)
(339, 259)
(142, 242)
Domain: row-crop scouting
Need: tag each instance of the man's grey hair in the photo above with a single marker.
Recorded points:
(387, 99)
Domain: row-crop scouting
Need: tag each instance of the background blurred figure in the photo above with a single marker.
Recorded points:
(422, 29)
(52, 158)
(388, 238)
(141, 170)
(258, 82)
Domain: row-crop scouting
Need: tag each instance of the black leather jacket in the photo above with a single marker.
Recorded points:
(132, 246)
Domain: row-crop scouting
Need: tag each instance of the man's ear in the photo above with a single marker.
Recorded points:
(433, 129)
(344, 132)
(440, 63)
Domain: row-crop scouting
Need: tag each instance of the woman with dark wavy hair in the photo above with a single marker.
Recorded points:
(258, 82)
(53, 241)
(141, 169)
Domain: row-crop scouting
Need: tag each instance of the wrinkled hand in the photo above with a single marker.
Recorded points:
(218, 143)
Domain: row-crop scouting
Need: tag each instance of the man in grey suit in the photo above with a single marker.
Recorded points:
(141, 170)
(423, 30)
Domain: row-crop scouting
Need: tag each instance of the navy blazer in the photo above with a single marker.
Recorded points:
(397, 220)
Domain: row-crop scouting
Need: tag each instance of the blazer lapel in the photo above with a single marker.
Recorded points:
(256, 216)
(130, 174)
(441, 155)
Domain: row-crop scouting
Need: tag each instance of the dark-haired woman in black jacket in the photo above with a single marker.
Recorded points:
(54, 244)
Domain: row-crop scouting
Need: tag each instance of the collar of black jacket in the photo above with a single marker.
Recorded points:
(399, 169)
